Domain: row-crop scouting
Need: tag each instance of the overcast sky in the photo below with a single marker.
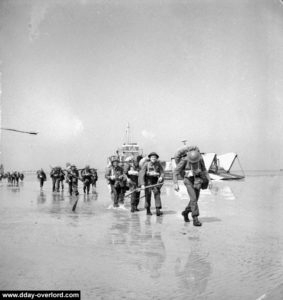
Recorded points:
(209, 71)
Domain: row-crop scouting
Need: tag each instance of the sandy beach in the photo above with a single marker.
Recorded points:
(115, 254)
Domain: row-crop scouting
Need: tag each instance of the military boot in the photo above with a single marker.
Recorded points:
(133, 209)
(196, 221)
(148, 212)
(185, 214)
(158, 212)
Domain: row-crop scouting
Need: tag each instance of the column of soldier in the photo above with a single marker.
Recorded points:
(13, 178)
(71, 175)
(140, 174)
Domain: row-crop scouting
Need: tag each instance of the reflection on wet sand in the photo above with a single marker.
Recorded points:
(140, 244)
(41, 198)
(193, 275)
(153, 248)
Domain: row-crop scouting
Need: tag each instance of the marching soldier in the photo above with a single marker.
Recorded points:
(193, 170)
(132, 171)
(56, 175)
(94, 179)
(72, 179)
(117, 180)
(41, 177)
(152, 173)
(86, 175)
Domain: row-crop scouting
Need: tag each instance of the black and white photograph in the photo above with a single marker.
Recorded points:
(141, 149)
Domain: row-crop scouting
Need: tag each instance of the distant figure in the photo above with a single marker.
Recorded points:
(132, 170)
(72, 178)
(41, 177)
(86, 175)
(192, 170)
(22, 176)
(61, 180)
(15, 178)
(152, 173)
(117, 180)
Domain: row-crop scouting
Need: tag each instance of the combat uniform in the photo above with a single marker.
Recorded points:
(195, 177)
(151, 174)
(72, 178)
(56, 174)
(86, 175)
(41, 177)
(118, 182)
(132, 172)
(94, 179)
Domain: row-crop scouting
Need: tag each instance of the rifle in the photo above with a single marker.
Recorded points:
(77, 177)
(75, 204)
(146, 187)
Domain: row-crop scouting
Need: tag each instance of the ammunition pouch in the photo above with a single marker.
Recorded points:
(197, 183)
(205, 181)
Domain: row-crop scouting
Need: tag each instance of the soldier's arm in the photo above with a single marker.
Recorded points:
(162, 174)
(126, 169)
(181, 165)
(142, 175)
(203, 168)
(108, 173)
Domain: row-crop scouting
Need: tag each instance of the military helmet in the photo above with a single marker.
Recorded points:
(194, 156)
(114, 158)
(153, 154)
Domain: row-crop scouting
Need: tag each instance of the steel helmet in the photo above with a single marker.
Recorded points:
(153, 154)
(193, 156)
(115, 158)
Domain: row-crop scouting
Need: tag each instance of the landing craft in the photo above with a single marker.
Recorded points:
(127, 151)
(219, 166)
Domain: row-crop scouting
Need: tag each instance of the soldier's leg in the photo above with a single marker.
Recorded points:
(88, 187)
(137, 200)
(157, 198)
(70, 188)
(147, 202)
(121, 195)
(53, 184)
(57, 185)
(193, 204)
(133, 202)
(114, 193)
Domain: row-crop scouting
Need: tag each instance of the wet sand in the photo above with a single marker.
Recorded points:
(114, 254)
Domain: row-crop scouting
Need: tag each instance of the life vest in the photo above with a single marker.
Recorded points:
(118, 171)
(86, 173)
(153, 170)
(192, 170)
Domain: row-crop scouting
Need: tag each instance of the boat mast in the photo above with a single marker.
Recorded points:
(128, 134)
